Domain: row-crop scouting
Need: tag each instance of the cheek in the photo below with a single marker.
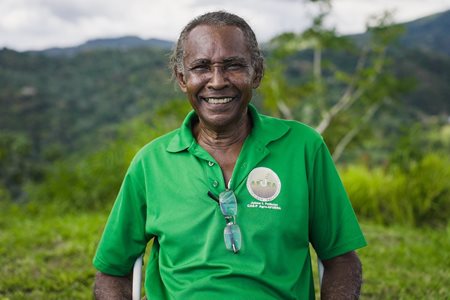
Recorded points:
(246, 79)
(194, 83)
(243, 83)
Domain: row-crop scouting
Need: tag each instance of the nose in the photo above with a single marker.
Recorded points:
(218, 78)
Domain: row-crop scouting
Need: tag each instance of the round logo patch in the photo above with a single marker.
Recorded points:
(263, 184)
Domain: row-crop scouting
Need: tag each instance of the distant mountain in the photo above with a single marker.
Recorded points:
(59, 94)
(430, 34)
(120, 43)
(423, 54)
(59, 101)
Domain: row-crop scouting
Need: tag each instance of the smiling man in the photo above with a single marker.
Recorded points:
(232, 198)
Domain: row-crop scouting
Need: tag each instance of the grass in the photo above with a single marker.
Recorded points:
(45, 255)
(406, 263)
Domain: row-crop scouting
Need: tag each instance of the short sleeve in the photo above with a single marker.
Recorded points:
(333, 226)
(124, 237)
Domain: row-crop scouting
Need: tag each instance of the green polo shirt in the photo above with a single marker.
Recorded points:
(289, 195)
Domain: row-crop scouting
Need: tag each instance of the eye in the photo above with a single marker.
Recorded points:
(200, 67)
(235, 66)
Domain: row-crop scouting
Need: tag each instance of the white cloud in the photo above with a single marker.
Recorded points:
(350, 16)
(38, 24)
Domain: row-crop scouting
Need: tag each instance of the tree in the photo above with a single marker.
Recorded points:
(337, 81)
(15, 167)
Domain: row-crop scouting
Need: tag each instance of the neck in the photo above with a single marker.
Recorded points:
(225, 144)
(224, 139)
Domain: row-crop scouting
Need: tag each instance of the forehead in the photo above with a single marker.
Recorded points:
(215, 42)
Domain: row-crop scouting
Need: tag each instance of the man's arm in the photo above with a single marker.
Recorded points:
(342, 277)
(112, 287)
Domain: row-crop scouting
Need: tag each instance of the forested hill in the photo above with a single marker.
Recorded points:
(60, 99)
(58, 96)
(430, 34)
(121, 43)
(424, 54)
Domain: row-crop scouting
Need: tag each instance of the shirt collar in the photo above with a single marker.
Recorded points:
(264, 131)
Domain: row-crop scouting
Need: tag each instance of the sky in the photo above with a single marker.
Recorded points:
(41, 24)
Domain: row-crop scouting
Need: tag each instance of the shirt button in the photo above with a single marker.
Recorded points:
(215, 183)
(210, 163)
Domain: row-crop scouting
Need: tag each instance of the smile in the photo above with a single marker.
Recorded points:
(218, 100)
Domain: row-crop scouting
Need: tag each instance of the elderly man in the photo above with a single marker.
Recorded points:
(232, 198)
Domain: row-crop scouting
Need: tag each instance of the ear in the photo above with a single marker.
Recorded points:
(256, 79)
(181, 80)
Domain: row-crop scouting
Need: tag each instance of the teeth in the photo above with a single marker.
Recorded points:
(218, 100)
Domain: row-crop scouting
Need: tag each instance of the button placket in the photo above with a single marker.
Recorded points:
(214, 175)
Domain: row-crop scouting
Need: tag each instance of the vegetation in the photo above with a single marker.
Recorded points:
(71, 122)
(93, 180)
(55, 105)
(47, 254)
(419, 196)
(405, 263)
(341, 87)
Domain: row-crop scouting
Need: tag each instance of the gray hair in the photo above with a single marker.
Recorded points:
(218, 18)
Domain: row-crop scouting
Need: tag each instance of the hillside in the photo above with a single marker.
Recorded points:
(121, 43)
(61, 101)
(422, 54)
(429, 34)
(61, 94)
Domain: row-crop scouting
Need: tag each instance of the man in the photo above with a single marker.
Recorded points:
(232, 198)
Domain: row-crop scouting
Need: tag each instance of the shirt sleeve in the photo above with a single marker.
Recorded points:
(333, 226)
(124, 237)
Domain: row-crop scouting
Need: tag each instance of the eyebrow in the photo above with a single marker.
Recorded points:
(234, 59)
(225, 61)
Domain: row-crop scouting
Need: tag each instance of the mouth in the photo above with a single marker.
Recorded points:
(218, 100)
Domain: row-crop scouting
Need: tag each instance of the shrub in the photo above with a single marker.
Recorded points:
(429, 187)
(88, 182)
(416, 196)
(5, 195)
(91, 181)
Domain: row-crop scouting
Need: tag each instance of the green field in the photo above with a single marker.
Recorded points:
(48, 256)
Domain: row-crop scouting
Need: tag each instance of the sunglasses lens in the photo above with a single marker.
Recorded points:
(228, 203)
(232, 237)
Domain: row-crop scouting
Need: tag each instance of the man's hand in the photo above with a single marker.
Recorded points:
(112, 287)
(342, 277)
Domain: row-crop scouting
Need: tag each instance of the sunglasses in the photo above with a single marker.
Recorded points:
(228, 206)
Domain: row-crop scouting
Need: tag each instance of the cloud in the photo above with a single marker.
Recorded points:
(350, 16)
(266, 17)
(35, 23)
(38, 24)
